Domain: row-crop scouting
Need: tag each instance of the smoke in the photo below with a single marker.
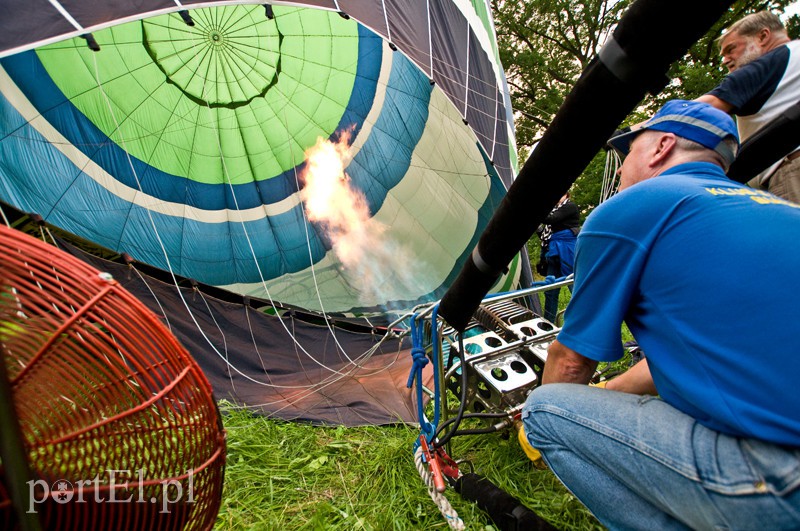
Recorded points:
(373, 262)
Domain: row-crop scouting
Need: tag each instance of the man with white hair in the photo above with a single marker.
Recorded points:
(764, 81)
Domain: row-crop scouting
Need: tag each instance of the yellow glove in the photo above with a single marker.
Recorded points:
(532, 453)
(600, 384)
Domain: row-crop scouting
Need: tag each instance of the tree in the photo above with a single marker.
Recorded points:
(544, 46)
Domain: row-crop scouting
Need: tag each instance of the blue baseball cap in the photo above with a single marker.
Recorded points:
(692, 120)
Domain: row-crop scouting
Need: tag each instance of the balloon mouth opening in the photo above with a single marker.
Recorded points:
(218, 61)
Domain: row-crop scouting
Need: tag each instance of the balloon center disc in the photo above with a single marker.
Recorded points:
(229, 57)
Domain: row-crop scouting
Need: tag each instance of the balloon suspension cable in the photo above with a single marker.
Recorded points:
(152, 221)
(610, 175)
(336, 374)
(312, 388)
(174, 276)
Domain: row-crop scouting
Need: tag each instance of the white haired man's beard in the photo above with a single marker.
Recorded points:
(751, 52)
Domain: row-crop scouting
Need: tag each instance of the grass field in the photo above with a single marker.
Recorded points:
(286, 476)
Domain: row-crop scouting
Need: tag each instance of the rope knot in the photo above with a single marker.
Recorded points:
(419, 363)
(419, 357)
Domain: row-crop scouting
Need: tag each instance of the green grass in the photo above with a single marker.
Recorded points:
(286, 476)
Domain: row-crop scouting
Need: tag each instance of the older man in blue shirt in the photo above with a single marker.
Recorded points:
(704, 272)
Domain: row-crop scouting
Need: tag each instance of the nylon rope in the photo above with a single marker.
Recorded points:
(430, 36)
(466, 78)
(253, 253)
(447, 510)
(610, 181)
(312, 388)
(306, 224)
(386, 20)
(172, 273)
(330, 329)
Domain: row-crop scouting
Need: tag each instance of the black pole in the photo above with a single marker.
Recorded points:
(651, 35)
(770, 144)
(12, 453)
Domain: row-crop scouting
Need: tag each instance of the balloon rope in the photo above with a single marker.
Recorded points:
(253, 253)
(610, 176)
(450, 514)
(306, 225)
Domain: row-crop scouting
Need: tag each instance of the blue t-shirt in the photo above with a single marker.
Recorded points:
(706, 273)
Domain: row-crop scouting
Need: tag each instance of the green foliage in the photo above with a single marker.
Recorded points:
(793, 27)
(544, 45)
(290, 476)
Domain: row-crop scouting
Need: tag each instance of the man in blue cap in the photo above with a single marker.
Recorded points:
(681, 255)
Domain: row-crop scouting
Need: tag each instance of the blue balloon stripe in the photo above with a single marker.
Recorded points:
(385, 158)
(37, 178)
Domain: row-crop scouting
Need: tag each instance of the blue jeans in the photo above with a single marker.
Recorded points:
(638, 463)
(555, 268)
(551, 296)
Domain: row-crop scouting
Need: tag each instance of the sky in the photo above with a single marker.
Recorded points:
(792, 9)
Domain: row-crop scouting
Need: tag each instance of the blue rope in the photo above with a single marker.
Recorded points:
(419, 363)
(427, 428)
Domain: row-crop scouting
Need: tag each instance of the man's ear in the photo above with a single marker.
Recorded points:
(764, 37)
(662, 148)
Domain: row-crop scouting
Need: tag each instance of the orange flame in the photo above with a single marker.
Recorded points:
(329, 197)
(360, 242)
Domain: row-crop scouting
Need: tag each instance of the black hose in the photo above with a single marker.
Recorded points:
(476, 431)
(438, 443)
(771, 143)
(507, 512)
(651, 35)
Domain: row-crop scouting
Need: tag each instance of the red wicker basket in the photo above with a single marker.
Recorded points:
(117, 425)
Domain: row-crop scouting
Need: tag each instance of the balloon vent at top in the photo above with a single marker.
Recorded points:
(116, 422)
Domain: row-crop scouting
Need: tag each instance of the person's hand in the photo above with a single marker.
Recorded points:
(533, 454)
